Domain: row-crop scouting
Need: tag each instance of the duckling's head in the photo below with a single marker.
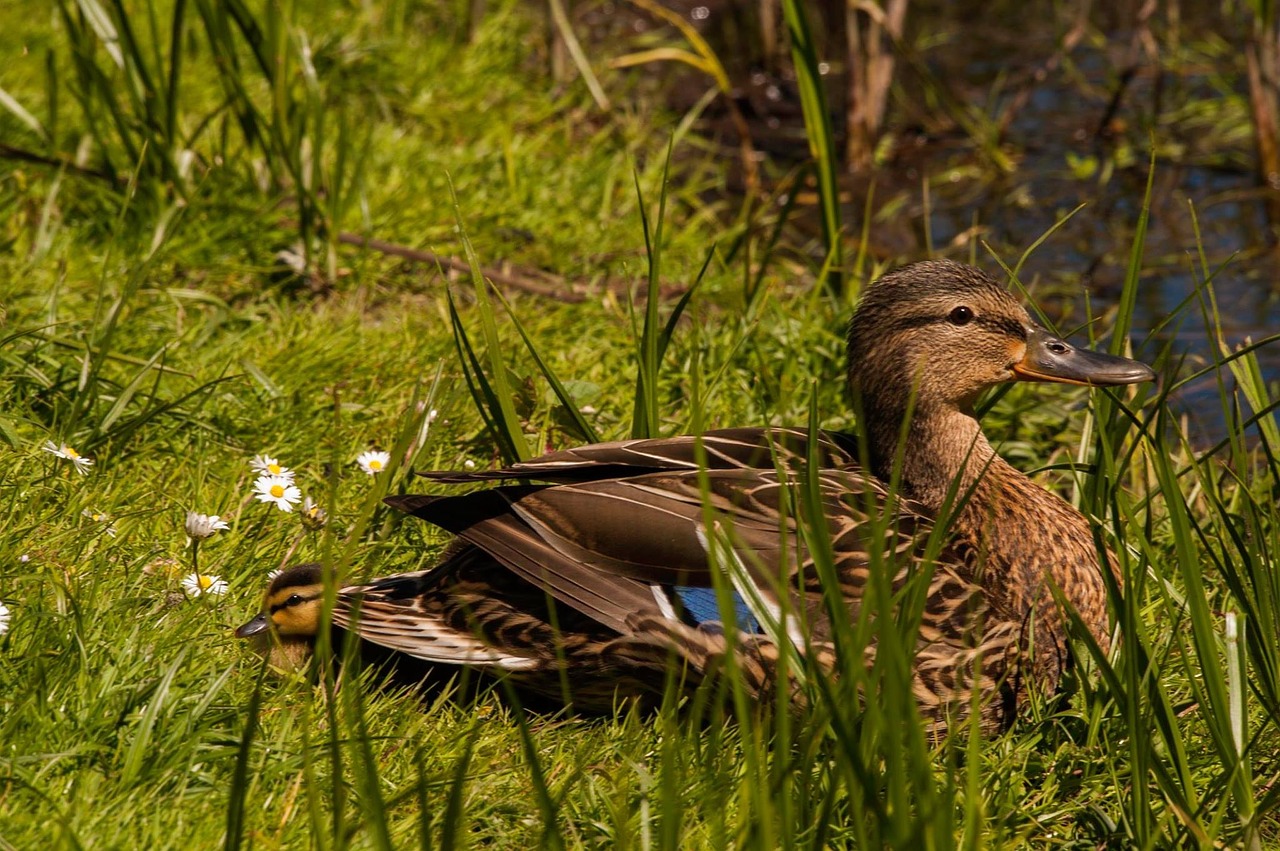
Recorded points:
(945, 332)
(286, 627)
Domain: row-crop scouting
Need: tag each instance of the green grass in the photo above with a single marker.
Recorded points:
(149, 323)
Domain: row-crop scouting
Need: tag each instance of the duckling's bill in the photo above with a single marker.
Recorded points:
(1049, 358)
(258, 625)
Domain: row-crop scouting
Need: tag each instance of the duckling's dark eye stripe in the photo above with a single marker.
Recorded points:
(278, 606)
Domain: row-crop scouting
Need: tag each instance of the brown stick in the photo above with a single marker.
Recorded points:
(871, 62)
(9, 152)
(1262, 62)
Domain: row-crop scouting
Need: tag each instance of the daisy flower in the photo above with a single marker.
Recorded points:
(4, 618)
(373, 461)
(265, 465)
(201, 526)
(81, 463)
(313, 517)
(196, 584)
(100, 517)
(278, 489)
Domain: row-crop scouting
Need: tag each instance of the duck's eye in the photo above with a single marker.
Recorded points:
(294, 599)
(961, 316)
(1058, 347)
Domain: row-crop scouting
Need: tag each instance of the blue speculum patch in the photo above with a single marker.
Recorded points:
(701, 606)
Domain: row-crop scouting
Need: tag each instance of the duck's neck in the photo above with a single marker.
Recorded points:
(1026, 535)
(944, 455)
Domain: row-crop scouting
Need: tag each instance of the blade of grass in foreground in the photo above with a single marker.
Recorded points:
(817, 125)
(503, 395)
(365, 764)
(490, 389)
(240, 778)
(644, 420)
(653, 340)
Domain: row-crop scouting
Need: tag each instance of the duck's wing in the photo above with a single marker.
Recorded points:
(723, 449)
(600, 546)
(422, 615)
(486, 519)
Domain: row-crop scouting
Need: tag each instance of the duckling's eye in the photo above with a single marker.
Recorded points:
(961, 316)
(294, 599)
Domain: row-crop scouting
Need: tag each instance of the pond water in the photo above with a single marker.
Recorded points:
(1078, 126)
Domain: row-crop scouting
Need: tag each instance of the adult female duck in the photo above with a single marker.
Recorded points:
(598, 576)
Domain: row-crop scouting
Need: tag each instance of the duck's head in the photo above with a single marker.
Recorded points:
(945, 332)
(286, 627)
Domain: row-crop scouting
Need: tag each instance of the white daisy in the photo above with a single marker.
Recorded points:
(100, 517)
(373, 461)
(201, 526)
(279, 490)
(313, 517)
(265, 465)
(4, 618)
(196, 584)
(81, 463)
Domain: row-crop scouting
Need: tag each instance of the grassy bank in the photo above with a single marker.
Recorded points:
(171, 315)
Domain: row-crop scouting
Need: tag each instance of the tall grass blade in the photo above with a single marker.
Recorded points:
(565, 28)
(501, 397)
(817, 124)
(19, 112)
(482, 391)
(644, 422)
(239, 791)
(566, 399)
(452, 835)
(365, 764)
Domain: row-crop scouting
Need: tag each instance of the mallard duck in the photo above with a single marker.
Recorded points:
(590, 573)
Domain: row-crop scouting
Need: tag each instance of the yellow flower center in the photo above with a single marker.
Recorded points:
(375, 464)
(277, 491)
(274, 469)
(71, 453)
(205, 582)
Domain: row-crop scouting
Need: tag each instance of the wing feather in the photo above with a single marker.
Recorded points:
(725, 449)
(485, 519)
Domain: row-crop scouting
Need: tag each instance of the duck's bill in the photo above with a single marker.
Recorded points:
(253, 627)
(1049, 358)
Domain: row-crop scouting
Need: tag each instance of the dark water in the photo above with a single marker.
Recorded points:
(1078, 132)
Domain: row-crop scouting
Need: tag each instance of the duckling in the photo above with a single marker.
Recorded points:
(588, 584)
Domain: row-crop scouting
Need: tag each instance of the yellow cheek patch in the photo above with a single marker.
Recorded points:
(299, 619)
